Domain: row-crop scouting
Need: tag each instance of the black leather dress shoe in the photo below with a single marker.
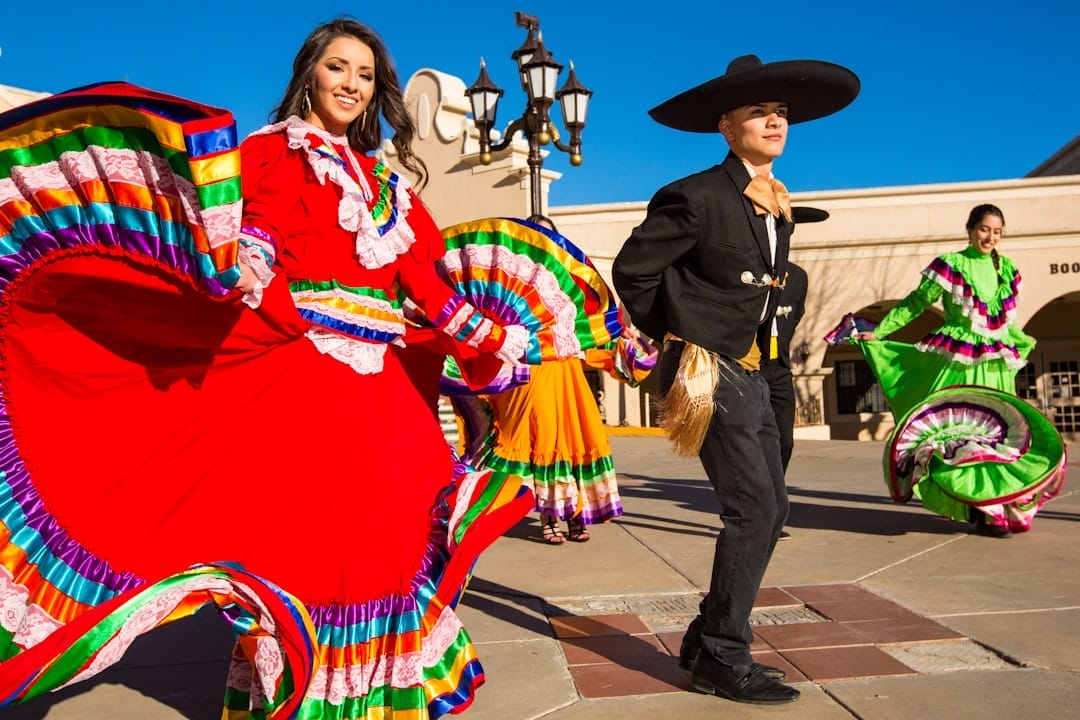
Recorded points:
(743, 683)
(688, 654)
(773, 673)
(687, 663)
(688, 650)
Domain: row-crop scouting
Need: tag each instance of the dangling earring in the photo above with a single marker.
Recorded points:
(305, 104)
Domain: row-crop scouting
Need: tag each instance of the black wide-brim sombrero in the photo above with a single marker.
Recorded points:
(811, 89)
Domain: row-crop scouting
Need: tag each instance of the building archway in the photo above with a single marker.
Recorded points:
(1051, 379)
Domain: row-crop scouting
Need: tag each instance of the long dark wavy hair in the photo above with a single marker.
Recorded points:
(364, 133)
(975, 217)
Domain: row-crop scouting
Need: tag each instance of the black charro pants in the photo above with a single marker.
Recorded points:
(782, 399)
(741, 457)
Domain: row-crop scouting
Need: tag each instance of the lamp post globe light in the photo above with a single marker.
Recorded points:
(538, 73)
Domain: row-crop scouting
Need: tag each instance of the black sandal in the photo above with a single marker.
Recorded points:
(550, 532)
(578, 531)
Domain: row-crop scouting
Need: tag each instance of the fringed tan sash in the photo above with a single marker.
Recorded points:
(687, 408)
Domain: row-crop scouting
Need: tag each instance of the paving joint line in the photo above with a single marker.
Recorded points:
(838, 700)
(909, 558)
(662, 559)
(1009, 612)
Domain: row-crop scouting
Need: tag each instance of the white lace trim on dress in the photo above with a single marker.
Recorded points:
(964, 297)
(372, 249)
(514, 345)
(364, 357)
(256, 260)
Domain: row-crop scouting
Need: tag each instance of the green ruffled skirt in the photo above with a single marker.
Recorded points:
(963, 439)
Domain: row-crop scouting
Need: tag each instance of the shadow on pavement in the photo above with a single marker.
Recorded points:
(505, 604)
(868, 521)
(697, 495)
(182, 665)
(631, 652)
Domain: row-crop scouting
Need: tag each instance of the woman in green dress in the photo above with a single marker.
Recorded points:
(964, 444)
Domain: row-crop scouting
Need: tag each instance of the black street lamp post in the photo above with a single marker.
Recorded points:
(538, 73)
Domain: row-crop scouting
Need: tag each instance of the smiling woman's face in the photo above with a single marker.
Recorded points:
(986, 233)
(343, 85)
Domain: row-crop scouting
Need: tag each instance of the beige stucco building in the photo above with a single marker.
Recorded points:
(13, 97)
(864, 259)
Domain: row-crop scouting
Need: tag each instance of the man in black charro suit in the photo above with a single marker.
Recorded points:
(703, 271)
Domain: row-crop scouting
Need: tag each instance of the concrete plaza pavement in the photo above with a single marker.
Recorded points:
(1010, 608)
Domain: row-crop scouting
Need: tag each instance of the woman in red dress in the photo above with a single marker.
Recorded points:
(273, 430)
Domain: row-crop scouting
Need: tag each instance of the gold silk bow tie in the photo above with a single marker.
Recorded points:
(769, 196)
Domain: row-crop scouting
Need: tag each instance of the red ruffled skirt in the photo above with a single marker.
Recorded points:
(153, 428)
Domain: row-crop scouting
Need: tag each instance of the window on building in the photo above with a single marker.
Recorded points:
(857, 390)
(1067, 419)
(1064, 380)
(1026, 383)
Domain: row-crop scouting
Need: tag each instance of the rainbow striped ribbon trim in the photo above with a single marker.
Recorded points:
(117, 165)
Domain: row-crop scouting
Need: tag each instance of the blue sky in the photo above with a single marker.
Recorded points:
(951, 91)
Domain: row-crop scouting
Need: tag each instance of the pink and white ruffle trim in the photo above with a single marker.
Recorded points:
(372, 249)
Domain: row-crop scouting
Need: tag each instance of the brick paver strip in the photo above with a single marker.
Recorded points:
(615, 655)
(846, 663)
